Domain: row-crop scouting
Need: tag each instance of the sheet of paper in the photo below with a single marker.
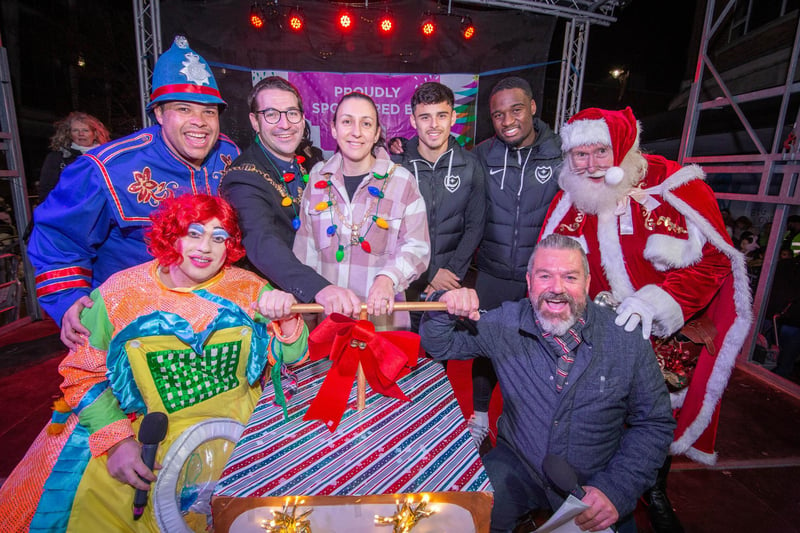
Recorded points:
(563, 520)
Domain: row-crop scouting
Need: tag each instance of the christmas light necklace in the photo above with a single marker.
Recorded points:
(286, 198)
(356, 238)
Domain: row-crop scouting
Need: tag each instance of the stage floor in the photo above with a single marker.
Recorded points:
(753, 487)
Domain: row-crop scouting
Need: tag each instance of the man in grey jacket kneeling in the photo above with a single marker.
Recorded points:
(574, 385)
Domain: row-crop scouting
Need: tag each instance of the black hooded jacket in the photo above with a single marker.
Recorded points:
(453, 190)
(516, 207)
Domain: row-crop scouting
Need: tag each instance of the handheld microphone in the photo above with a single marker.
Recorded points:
(151, 432)
(562, 476)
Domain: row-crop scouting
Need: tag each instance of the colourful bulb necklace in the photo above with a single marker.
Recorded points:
(357, 238)
(287, 200)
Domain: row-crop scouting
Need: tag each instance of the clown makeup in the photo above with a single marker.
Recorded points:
(218, 235)
(203, 254)
(593, 160)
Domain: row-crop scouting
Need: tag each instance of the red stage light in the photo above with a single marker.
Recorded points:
(256, 17)
(296, 21)
(345, 21)
(467, 28)
(386, 24)
(428, 26)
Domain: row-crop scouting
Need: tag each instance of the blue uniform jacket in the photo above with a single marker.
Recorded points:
(92, 224)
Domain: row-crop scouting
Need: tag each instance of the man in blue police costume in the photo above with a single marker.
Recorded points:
(92, 224)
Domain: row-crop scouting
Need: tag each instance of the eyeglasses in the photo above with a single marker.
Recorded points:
(273, 116)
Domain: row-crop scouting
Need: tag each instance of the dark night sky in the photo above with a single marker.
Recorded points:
(651, 38)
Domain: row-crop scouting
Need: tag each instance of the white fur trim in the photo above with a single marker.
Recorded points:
(736, 335)
(681, 177)
(614, 175)
(584, 132)
(668, 316)
(694, 454)
(676, 398)
(611, 257)
(666, 252)
(558, 214)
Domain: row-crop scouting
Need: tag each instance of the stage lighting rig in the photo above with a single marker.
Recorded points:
(386, 23)
(345, 20)
(257, 16)
(296, 20)
(428, 24)
(467, 28)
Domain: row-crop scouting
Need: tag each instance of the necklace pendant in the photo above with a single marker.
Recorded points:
(354, 236)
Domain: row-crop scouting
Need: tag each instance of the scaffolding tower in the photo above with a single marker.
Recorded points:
(776, 164)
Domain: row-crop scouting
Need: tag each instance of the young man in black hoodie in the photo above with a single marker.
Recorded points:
(521, 165)
(451, 181)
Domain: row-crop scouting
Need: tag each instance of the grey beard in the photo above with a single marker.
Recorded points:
(592, 196)
(557, 326)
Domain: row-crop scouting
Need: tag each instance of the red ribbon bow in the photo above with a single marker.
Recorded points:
(385, 357)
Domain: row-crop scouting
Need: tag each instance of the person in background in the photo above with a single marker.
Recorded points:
(783, 312)
(451, 181)
(792, 236)
(727, 219)
(74, 136)
(520, 164)
(660, 255)
(93, 223)
(574, 385)
(740, 226)
(397, 145)
(152, 326)
(363, 221)
(312, 154)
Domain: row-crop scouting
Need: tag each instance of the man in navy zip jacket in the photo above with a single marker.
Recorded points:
(575, 385)
(521, 165)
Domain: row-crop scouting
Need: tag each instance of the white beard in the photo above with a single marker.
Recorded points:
(595, 196)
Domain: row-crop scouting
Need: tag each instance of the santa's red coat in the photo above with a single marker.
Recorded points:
(668, 245)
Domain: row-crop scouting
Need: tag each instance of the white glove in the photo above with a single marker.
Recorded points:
(631, 311)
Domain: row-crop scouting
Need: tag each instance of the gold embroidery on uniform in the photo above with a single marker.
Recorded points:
(667, 222)
(279, 186)
(670, 225)
(579, 216)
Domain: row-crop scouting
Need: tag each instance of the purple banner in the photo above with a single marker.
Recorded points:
(321, 92)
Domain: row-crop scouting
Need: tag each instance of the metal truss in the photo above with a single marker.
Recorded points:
(147, 19)
(593, 11)
(581, 13)
(15, 174)
(778, 163)
(573, 58)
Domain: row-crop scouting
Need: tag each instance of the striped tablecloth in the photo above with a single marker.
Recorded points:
(390, 447)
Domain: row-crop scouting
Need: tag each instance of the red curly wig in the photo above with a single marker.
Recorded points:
(172, 219)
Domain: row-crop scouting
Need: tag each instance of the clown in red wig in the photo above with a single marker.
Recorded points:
(187, 335)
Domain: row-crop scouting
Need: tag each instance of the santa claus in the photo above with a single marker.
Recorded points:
(658, 251)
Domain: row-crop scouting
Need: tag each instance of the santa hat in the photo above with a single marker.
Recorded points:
(617, 129)
(180, 74)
